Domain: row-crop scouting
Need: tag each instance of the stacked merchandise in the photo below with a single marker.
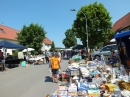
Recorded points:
(76, 58)
(74, 69)
(65, 76)
(83, 88)
(72, 90)
(94, 79)
(61, 91)
(93, 90)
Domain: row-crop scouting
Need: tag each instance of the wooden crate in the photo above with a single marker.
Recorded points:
(65, 79)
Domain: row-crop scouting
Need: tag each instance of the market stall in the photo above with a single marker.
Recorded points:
(93, 79)
(123, 41)
(36, 60)
(9, 45)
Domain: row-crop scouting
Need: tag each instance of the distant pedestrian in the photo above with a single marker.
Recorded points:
(49, 64)
(47, 56)
(1, 55)
(67, 54)
(96, 49)
(43, 56)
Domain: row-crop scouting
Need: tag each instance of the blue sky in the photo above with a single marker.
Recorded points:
(54, 15)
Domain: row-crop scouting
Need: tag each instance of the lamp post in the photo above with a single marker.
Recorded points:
(86, 27)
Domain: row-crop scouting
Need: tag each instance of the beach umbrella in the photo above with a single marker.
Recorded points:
(28, 50)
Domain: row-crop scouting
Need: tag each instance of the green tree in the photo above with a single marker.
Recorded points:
(32, 36)
(98, 24)
(52, 47)
(15, 54)
(70, 39)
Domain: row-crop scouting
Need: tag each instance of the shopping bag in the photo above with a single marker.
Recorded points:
(23, 63)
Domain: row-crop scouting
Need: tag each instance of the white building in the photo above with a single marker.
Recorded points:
(10, 34)
(46, 44)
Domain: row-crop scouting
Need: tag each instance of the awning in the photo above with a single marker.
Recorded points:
(122, 34)
(11, 45)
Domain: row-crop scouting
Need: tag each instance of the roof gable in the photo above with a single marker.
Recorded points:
(8, 33)
(122, 23)
(47, 40)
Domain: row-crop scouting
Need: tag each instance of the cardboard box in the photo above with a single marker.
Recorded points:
(74, 72)
(62, 93)
(73, 80)
(65, 74)
(82, 93)
(94, 92)
(39, 62)
(72, 94)
(62, 88)
(6, 69)
(72, 88)
(65, 79)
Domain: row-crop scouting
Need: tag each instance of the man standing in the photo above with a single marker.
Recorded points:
(59, 55)
(1, 55)
(55, 66)
(47, 56)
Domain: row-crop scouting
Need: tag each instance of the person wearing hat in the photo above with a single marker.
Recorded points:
(55, 66)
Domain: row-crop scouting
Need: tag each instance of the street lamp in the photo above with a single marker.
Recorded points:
(86, 27)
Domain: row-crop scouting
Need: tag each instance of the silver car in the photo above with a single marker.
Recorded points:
(105, 51)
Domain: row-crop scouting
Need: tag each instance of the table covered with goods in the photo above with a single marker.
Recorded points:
(93, 79)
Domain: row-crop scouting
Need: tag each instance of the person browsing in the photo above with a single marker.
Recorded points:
(47, 56)
(55, 66)
(112, 58)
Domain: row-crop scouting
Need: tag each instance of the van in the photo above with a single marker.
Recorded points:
(105, 51)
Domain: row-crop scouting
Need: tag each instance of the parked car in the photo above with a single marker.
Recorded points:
(105, 51)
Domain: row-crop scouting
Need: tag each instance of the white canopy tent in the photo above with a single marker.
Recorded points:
(28, 50)
(113, 40)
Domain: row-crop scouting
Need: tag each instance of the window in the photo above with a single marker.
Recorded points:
(2, 31)
(114, 47)
(47, 45)
(107, 48)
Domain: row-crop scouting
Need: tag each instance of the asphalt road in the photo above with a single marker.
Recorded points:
(32, 81)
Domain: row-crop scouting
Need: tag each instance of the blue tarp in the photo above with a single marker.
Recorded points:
(11, 45)
(122, 34)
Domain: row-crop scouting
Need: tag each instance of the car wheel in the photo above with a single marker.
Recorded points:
(97, 57)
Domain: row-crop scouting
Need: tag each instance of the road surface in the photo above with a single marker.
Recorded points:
(32, 81)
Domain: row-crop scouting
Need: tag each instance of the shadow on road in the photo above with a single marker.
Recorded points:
(48, 79)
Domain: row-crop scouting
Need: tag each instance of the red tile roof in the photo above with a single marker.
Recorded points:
(47, 40)
(8, 33)
(122, 23)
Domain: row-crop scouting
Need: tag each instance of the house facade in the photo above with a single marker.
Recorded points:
(46, 44)
(122, 24)
(10, 34)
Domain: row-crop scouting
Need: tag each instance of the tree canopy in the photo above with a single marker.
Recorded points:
(98, 24)
(32, 36)
(70, 39)
(52, 47)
